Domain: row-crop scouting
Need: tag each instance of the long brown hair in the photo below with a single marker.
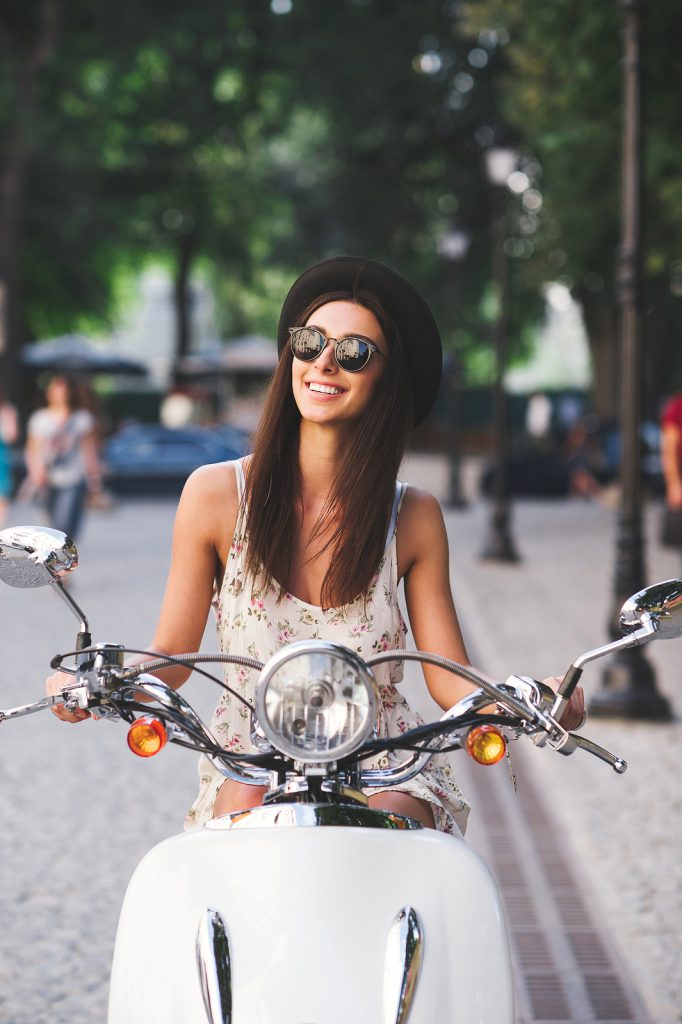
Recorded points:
(358, 509)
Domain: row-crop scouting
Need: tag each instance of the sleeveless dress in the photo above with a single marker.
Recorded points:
(257, 625)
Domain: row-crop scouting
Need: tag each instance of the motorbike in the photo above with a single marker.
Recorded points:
(312, 908)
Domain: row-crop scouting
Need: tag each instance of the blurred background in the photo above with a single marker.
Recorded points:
(166, 172)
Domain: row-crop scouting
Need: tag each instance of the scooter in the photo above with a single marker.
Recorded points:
(313, 908)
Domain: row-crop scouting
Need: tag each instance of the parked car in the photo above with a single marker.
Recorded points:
(150, 458)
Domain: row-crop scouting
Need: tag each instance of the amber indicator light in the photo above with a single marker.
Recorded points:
(486, 744)
(147, 736)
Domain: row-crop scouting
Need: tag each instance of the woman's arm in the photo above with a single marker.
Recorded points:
(423, 560)
(203, 531)
(424, 563)
(672, 471)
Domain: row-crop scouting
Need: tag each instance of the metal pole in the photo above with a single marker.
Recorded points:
(629, 685)
(499, 545)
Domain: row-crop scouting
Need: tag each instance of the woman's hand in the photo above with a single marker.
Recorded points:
(54, 684)
(573, 716)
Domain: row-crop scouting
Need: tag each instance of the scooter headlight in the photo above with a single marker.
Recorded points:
(316, 701)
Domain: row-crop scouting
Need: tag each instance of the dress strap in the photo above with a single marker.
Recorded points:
(241, 479)
(400, 489)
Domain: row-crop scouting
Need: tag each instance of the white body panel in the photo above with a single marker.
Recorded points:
(307, 912)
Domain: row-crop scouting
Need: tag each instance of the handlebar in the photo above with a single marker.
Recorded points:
(522, 708)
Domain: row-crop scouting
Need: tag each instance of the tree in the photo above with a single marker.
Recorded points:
(562, 92)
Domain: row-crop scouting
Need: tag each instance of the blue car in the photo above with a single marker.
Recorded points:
(150, 458)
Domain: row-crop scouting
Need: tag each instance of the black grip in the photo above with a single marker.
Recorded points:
(83, 640)
(569, 682)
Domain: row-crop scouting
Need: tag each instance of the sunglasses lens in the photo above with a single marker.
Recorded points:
(352, 354)
(307, 343)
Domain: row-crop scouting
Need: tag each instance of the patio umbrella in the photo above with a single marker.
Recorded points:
(248, 355)
(75, 354)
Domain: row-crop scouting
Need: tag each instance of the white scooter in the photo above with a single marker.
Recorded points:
(314, 908)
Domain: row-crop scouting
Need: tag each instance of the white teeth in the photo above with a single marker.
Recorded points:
(325, 389)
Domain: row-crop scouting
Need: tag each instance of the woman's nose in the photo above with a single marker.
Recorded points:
(326, 361)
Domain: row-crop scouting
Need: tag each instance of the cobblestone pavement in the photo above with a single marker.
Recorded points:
(78, 810)
(534, 618)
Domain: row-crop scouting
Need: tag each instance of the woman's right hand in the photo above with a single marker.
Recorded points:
(54, 684)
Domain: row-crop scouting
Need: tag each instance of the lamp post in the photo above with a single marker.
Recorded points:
(629, 686)
(499, 546)
(453, 245)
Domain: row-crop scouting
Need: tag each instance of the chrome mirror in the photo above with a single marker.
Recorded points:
(661, 604)
(34, 556)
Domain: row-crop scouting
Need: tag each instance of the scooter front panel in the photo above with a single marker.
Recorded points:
(309, 914)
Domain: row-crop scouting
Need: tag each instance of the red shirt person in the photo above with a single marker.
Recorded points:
(671, 450)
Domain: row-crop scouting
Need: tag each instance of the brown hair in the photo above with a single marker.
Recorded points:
(358, 509)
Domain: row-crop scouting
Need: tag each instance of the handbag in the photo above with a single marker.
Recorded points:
(671, 528)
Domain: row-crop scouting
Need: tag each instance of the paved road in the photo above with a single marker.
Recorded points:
(75, 803)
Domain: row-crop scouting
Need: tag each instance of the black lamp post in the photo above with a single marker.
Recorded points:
(629, 685)
(499, 546)
(453, 246)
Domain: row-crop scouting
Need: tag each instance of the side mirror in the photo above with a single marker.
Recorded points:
(660, 604)
(34, 556)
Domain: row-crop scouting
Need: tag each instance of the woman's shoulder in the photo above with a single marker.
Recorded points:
(210, 500)
(420, 526)
(417, 503)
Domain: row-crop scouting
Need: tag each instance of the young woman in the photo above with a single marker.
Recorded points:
(311, 535)
(61, 454)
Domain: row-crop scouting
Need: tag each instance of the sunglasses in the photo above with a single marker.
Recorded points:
(350, 353)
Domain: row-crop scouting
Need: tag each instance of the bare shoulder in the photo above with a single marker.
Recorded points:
(420, 528)
(209, 504)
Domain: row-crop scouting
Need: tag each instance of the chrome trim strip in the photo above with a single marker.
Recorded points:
(312, 816)
(215, 967)
(402, 963)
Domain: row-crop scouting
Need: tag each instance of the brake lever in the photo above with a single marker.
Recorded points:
(573, 742)
(29, 709)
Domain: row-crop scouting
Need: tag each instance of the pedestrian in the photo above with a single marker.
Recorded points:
(9, 433)
(671, 457)
(61, 454)
(310, 535)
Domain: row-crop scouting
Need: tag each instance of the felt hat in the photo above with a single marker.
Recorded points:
(415, 323)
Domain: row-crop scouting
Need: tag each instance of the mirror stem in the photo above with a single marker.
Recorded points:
(570, 681)
(84, 625)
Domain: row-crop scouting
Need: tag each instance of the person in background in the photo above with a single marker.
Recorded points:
(9, 432)
(671, 450)
(61, 455)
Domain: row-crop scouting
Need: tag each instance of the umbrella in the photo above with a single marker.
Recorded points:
(250, 354)
(73, 353)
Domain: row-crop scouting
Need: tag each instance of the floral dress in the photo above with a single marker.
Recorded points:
(257, 625)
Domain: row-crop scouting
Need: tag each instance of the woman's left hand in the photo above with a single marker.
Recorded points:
(573, 716)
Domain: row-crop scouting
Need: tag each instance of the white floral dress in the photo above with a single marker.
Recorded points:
(258, 626)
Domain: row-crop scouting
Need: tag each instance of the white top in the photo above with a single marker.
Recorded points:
(61, 443)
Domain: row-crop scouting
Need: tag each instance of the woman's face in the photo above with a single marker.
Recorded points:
(326, 394)
(57, 392)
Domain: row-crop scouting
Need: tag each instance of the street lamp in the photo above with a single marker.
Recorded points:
(453, 245)
(629, 685)
(500, 165)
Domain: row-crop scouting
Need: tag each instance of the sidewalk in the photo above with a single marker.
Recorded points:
(534, 618)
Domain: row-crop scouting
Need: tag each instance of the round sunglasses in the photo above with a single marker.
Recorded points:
(351, 353)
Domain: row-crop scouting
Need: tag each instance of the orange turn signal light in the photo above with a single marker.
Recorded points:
(486, 744)
(147, 736)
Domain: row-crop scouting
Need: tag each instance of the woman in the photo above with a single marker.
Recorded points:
(61, 454)
(310, 536)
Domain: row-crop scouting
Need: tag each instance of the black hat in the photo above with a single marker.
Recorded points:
(413, 318)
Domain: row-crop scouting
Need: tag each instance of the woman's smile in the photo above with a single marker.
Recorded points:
(323, 391)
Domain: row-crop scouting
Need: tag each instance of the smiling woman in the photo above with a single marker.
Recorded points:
(310, 537)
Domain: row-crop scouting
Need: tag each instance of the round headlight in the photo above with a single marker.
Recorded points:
(316, 701)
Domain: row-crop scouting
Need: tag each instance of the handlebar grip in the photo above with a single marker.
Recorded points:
(569, 682)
